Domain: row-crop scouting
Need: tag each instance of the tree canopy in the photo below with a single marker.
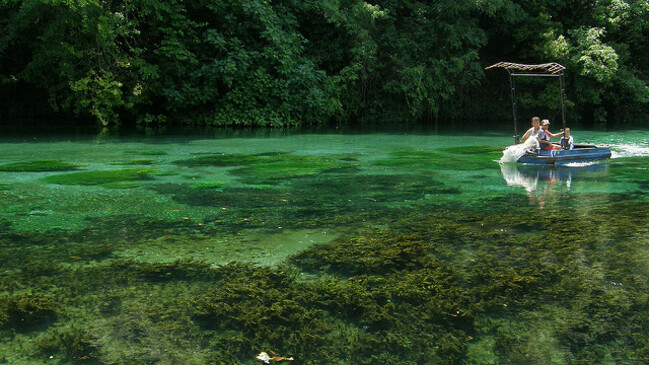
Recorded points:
(287, 62)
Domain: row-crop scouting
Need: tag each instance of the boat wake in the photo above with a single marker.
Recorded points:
(580, 164)
(629, 150)
(514, 152)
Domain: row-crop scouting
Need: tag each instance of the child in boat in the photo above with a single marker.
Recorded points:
(566, 141)
(544, 139)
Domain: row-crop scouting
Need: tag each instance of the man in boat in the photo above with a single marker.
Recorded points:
(544, 139)
(566, 142)
(535, 131)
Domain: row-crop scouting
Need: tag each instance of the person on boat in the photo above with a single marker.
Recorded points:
(544, 139)
(535, 131)
(567, 142)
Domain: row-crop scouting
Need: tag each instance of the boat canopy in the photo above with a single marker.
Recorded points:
(515, 70)
(552, 68)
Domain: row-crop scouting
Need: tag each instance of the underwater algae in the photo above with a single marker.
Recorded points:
(100, 239)
(445, 287)
(27, 312)
(108, 178)
(494, 301)
(38, 166)
(631, 169)
(228, 159)
(318, 322)
(327, 199)
(146, 152)
(76, 342)
(142, 161)
(457, 159)
(129, 335)
(112, 313)
(427, 271)
(273, 167)
(489, 151)
(372, 254)
(208, 185)
(280, 170)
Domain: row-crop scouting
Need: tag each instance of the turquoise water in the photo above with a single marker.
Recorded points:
(328, 248)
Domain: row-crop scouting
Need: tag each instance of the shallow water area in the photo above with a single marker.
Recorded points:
(331, 248)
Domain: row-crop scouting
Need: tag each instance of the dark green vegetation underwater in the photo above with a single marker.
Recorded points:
(423, 274)
(35, 166)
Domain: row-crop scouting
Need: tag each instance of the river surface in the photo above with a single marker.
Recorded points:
(386, 248)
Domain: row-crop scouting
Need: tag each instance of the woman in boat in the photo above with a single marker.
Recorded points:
(544, 139)
(535, 131)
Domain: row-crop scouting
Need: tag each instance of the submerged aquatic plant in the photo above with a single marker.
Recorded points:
(286, 168)
(427, 271)
(631, 169)
(28, 312)
(458, 159)
(135, 162)
(491, 151)
(273, 168)
(338, 199)
(435, 286)
(38, 166)
(366, 254)
(146, 152)
(355, 321)
(77, 343)
(208, 185)
(227, 160)
(100, 177)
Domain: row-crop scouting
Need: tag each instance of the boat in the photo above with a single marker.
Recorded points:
(580, 152)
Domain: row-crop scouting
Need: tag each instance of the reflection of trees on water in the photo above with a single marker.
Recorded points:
(544, 182)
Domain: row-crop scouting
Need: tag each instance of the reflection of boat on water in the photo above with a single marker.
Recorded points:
(538, 177)
(581, 152)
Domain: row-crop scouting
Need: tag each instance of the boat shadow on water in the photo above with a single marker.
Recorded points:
(543, 182)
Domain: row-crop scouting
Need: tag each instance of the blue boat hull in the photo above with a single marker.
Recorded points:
(581, 153)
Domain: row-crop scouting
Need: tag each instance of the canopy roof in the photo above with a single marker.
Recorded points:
(545, 68)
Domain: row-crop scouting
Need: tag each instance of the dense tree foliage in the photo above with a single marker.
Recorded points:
(289, 62)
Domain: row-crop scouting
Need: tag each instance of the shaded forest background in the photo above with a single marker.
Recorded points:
(303, 62)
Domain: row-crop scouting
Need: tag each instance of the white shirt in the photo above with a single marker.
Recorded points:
(536, 134)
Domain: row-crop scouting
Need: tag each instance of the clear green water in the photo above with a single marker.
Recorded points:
(330, 248)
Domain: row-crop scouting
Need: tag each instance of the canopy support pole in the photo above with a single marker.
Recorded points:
(543, 70)
(563, 101)
(512, 84)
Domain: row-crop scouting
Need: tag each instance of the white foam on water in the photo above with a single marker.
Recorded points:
(580, 164)
(629, 150)
(514, 152)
